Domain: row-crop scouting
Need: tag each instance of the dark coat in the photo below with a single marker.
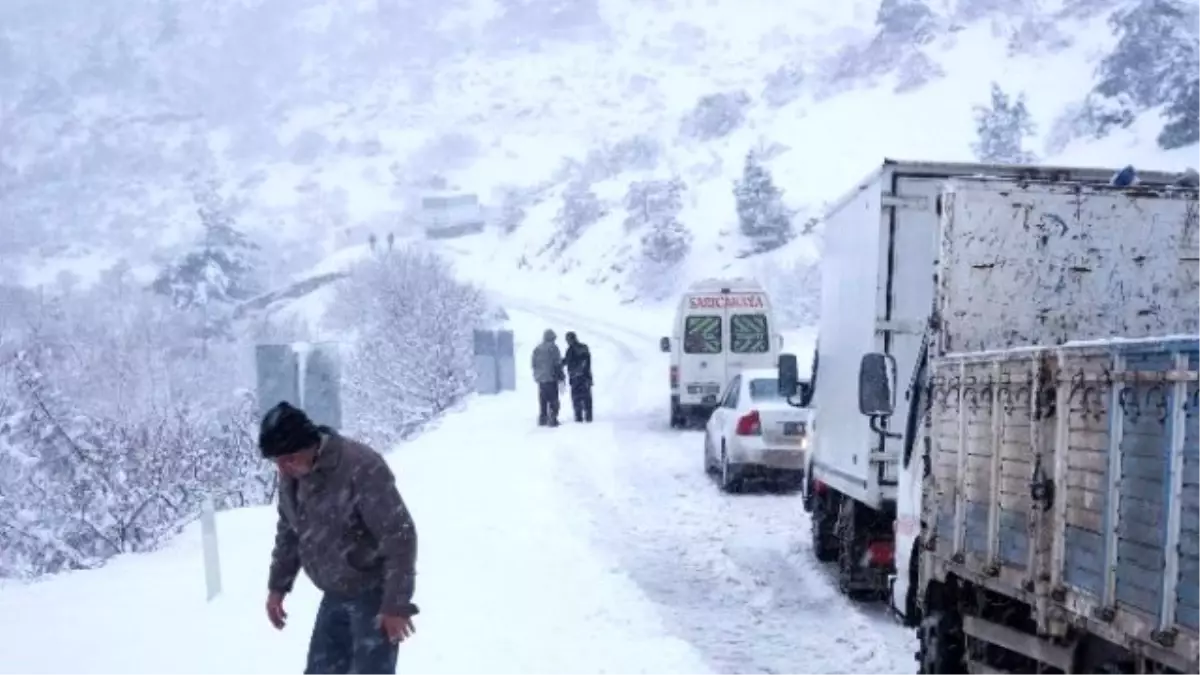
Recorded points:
(578, 361)
(346, 525)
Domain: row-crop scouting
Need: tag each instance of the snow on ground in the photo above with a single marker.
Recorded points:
(589, 548)
(733, 575)
(507, 583)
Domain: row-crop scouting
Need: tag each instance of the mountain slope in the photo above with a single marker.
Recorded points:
(336, 128)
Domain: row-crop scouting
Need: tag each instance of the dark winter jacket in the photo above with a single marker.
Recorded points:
(547, 360)
(346, 525)
(578, 361)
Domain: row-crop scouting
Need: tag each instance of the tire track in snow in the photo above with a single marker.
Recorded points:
(733, 574)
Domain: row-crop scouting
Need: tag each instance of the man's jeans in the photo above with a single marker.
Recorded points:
(347, 637)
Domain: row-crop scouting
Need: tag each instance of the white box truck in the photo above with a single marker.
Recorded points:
(877, 294)
(999, 268)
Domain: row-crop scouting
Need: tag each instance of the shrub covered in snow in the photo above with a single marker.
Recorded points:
(906, 21)
(413, 354)
(580, 209)
(116, 423)
(640, 152)
(715, 115)
(784, 85)
(649, 202)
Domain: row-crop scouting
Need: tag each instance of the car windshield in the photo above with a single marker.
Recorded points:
(764, 389)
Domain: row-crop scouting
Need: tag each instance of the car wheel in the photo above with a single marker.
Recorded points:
(729, 479)
(676, 416)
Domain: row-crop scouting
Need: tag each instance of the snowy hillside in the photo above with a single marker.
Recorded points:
(322, 122)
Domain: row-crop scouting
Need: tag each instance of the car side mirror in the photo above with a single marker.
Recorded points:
(664, 344)
(877, 384)
(789, 375)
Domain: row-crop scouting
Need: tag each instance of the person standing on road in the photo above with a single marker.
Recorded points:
(548, 373)
(342, 520)
(578, 362)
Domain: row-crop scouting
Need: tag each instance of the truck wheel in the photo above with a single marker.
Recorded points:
(940, 644)
(847, 550)
(823, 521)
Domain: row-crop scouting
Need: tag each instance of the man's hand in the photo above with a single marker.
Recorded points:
(397, 628)
(275, 611)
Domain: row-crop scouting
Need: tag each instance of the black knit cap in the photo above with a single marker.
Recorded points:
(286, 430)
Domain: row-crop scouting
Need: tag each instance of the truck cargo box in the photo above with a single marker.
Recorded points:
(1038, 263)
(1063, 462)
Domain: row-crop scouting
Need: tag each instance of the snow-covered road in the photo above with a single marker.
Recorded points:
(583, 549)
(732, 574)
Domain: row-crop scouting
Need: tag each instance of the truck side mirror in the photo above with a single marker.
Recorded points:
(789, 375)
(877, 385)
(804, 393)
(664, 344)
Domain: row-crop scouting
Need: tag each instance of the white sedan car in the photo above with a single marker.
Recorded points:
(754, 431)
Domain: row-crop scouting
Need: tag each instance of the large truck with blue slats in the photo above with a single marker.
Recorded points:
(1043, 429)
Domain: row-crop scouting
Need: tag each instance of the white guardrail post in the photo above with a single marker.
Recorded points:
(212, 557)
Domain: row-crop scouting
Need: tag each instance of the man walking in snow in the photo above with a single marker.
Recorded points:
(343, 521)
(578, 362)
(548, 373)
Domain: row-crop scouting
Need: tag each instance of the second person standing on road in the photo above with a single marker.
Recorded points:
(578, 361)
(548, 373)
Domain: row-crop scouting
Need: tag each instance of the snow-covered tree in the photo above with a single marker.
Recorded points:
(413, 357)
(663, 247)
(762, 215)
(640, 152)
(1003, 127)
(715, 115)
(1084, 9)
(908, 21)
(580, 209)
(650, 202)
(221, 268)
(784, 85)
(1153, 63)
(1183, 123)
(666, 242)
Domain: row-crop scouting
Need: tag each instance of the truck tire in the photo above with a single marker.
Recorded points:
(848, 548)
(824, 519)
(940, 644)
